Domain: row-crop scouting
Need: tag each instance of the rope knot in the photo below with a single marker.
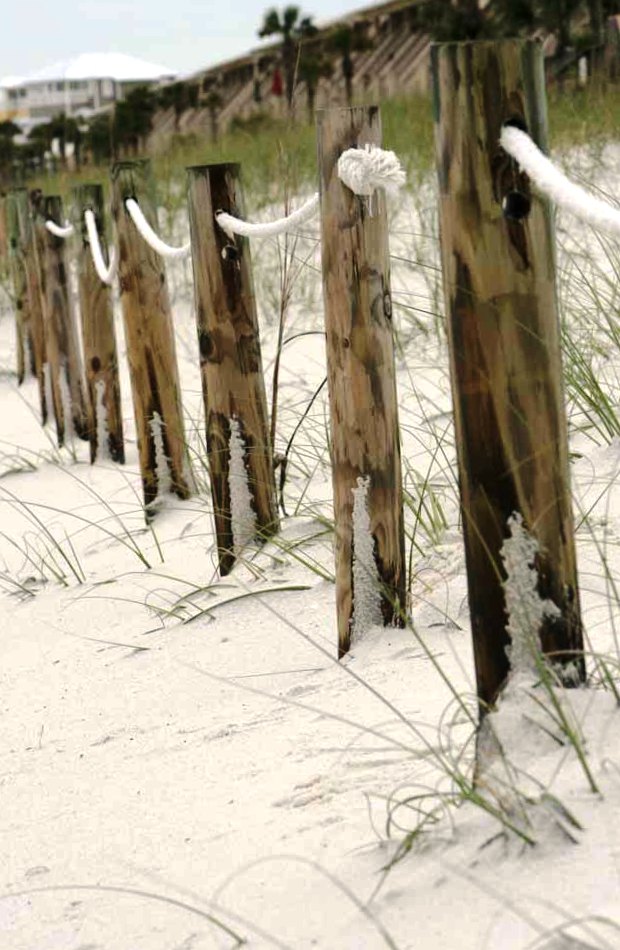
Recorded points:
(363, 170)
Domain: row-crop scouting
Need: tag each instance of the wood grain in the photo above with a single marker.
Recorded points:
(499, 284)
(35, 297)
(230, 354)
(98, 335)
(62, 343)
(149, 336)
(360, 360)
(19, 279)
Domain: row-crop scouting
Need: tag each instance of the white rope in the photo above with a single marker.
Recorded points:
(232, 225)
(147, 232)
(554, 183)
(105, 272)
(363, 170)
(59, 231)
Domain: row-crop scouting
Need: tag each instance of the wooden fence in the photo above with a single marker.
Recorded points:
(499, 286)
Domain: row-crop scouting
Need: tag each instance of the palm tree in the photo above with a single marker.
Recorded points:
(312, 67)
(293, 28)
(346, 41)
(99, 137)
(463, 20)
(174, 96)
(213, 101)
(133, 118)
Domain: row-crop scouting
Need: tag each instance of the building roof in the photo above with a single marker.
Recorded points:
(9, 81)
(116, 66)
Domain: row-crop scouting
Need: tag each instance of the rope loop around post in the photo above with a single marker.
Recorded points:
(105, 272)
(149, 235)
(555, 185)
(363, 170)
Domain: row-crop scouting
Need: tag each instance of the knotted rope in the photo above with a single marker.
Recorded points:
(555, 185)
(363, 170)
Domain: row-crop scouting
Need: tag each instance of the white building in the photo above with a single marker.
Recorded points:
(77, 86)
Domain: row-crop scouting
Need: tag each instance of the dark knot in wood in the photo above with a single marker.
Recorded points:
(387, 305)
(230, 253)
(516, 205)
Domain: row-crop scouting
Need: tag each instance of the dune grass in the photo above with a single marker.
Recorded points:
(277, 157)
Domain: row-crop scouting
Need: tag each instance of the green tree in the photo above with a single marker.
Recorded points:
(552, 15)
(463, 19)
(133, 118)
(346, 41)
(39, 143)
(293, 28)
(74, 128)
(100, 137)
(313, 66)
(8, 149)
(9, 129)
(452, 21)
(63, 129)
(58, 131)
(213, 102)
(176, 96)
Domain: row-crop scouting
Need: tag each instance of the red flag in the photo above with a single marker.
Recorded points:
(276, 83)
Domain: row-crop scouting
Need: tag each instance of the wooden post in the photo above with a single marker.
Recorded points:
(19, 281)
(499, 285)
(149, 335)
(230, 356)
(99, 339)
(4, 239)
(611, 54)
(35, 326)
(61, 337)
(27, 292)
(365, 443)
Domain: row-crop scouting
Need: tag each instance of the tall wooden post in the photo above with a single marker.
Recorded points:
(35, 326)
(19, 281)
(365, 442)
(4, 239)
(611, 54)
(98, 336)
(499, 284)
(149, 335)
(233, 385)
(61, 336)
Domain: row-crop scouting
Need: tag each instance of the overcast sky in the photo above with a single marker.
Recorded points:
(184, 35)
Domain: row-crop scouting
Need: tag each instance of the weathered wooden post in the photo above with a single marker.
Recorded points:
(499, 286)
(61, 337)
(26, 291)
(233, 385)
(19, 283)
(365, 446)
(98, 336)
(34, 331)
(611, 54)
(4, 239)
(150, 340)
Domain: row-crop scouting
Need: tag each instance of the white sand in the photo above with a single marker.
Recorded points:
(231, 764)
